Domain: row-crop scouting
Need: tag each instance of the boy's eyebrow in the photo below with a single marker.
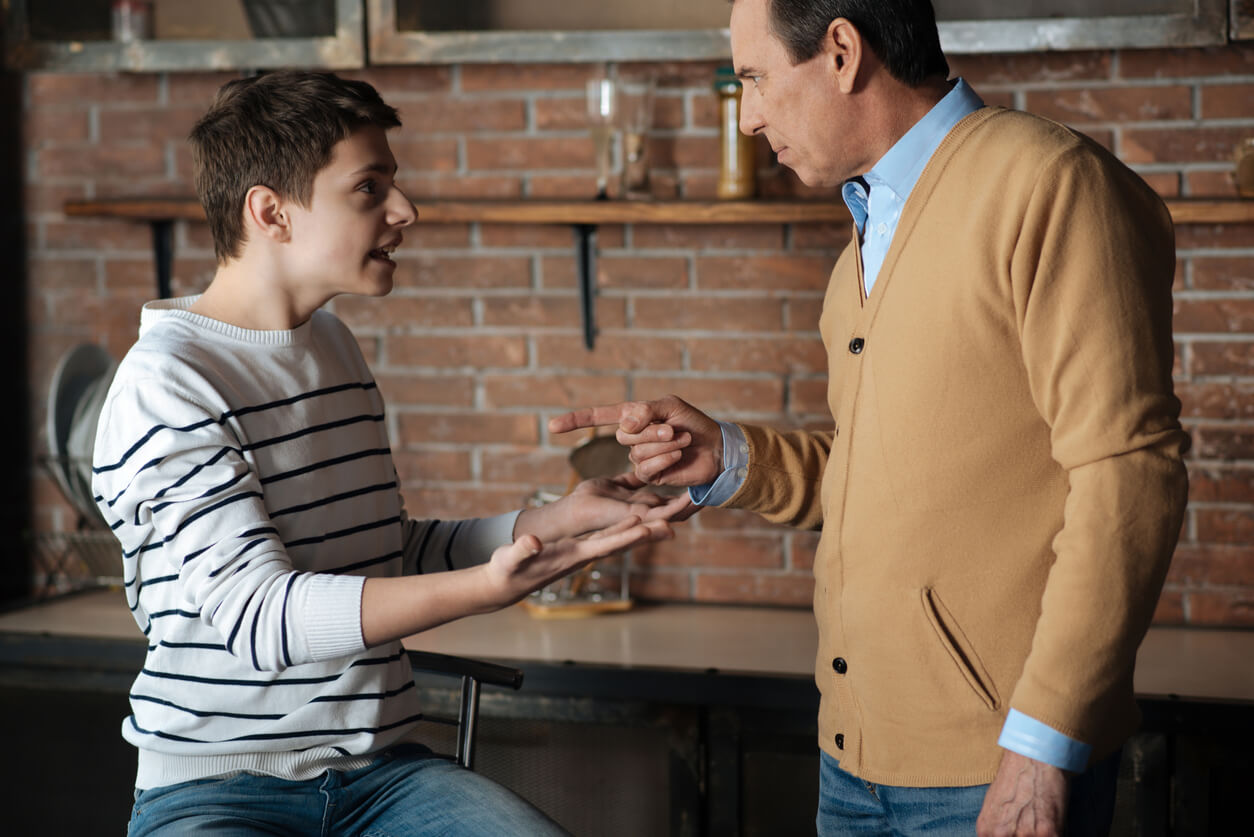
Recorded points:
(376, 168)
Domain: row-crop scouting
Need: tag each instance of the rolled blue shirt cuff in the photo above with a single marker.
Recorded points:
(735, 468)
(1029, 737)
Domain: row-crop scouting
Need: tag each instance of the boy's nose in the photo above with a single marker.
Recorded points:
(401, 210)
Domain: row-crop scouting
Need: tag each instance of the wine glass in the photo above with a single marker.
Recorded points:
(602, 118)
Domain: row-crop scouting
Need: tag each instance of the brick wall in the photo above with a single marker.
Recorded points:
(481, 340)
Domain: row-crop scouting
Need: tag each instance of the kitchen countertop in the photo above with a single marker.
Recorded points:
(1189, 663)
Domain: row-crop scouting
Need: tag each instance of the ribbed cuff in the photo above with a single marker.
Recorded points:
(333, 615)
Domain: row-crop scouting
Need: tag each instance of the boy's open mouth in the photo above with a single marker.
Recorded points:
(384, 254)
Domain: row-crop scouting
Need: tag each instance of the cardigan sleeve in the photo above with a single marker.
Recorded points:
(1091, 275)
(785, 475)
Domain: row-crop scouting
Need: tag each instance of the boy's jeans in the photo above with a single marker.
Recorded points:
(406, 792)
(848, 805)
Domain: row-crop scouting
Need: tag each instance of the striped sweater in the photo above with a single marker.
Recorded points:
(248, 477)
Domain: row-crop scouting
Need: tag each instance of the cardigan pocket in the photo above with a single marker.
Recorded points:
(960, 649)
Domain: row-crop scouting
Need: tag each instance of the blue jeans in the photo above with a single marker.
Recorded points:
(407, 791)
(848, 805)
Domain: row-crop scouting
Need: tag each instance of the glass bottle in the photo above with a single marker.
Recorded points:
(736, 180)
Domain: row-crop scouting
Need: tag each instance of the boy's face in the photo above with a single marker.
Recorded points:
(343, 241)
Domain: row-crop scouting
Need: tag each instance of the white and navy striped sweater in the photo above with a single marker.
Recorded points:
(248, 477)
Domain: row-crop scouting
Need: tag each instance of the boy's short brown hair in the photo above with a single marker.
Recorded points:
(276, 130)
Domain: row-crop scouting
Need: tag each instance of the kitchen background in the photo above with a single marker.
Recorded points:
(481, 341)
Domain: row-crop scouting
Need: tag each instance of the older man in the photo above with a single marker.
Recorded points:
(1002, 488)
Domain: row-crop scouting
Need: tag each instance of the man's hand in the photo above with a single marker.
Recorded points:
(526, 565)
(1027, 797)
(671, 442)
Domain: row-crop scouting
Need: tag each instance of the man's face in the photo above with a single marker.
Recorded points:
(344, 238)
(796, 106)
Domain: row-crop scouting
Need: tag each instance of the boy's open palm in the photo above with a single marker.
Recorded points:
(527, 565)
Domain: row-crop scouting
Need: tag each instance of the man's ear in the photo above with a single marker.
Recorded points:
(843, 46)
(265, 212)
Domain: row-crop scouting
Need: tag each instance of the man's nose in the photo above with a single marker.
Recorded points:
(751, 121)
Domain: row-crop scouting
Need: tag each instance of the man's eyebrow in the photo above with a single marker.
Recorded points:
(747, 72)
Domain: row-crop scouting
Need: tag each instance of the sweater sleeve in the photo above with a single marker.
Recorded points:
(438, 545)
(1091, 275)
(175, 487)
(785, 475)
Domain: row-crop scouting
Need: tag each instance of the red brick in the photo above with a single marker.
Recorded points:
(703, 313)
(718, 394)
(39, 198)
(784, 355)
(1166, 184)
(426, 155)
(529, 77)
(568, 113)
(829, 237)
(686, 152)
(90, 89)
(43, 127)
(1214, 236)
(552, 390)
(1221, 484)
(1014, 68)
(730, 520)
(1224, 443)
(637, 273)
(405, 312)
(611, 351)
(802, 549)
(427, 236)
(80, 275)
(529, 153)
(525, 235)
(196, 89)
(1113, 104)
(709, 236)
(528, 468)
(808, 396)
(435, 115)
(461, 186)
(1180, 145)
(1217, 316)
(398, 85)
(416, 467)
(549, 312)
(738, 551)
(1217, 400)
(1211, 184)
(1228, 526)
(463, 427)
(1226, 609)
(1223, 274)
(1227, 101)
(427, 271)
(791, 272)
(449, 502)
(1229, 60)
(467, 350)
(802, 314)
(102, 235)
(401, 389)
(101, 162)
(155, 125)
(129, 277)
(1226, 358)
(672, 74)
(565, 186)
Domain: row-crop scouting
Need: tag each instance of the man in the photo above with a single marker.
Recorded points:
(1002, 489)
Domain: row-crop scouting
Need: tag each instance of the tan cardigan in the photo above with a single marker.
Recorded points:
(1003, 489)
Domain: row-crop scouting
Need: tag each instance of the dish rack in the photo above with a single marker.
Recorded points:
(86, 556)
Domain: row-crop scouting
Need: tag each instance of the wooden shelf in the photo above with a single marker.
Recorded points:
(537, 211)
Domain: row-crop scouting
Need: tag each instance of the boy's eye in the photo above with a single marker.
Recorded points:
(369, 187)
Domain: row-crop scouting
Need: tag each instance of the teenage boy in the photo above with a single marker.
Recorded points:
(242, 460)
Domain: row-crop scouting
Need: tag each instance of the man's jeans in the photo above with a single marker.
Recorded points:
(848, 805)
(405, 792)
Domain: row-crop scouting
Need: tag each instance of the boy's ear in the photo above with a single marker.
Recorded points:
(265, 212)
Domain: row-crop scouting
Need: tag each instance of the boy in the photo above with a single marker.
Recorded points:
(242, 460)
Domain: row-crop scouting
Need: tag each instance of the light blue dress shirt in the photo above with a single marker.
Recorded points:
(876, 200)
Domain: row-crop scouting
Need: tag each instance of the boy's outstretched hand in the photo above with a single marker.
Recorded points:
(527, 564)
(671, 441)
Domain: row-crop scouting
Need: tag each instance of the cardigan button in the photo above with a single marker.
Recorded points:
(840, 741)
(840, 665)
(856, 344)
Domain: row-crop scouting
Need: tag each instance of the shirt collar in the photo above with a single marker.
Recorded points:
(900, 168)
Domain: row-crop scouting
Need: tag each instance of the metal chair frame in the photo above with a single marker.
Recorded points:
(473, 673)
